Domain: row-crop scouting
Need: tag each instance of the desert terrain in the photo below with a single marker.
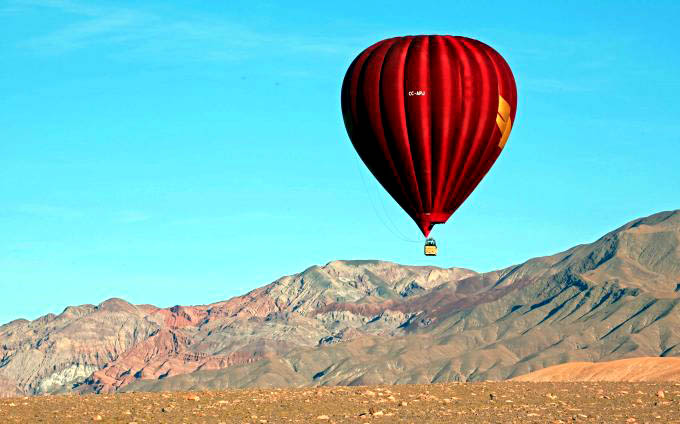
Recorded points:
(590, 334)
(483, 402)
(629, 370)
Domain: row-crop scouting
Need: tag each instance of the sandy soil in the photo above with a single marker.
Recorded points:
(630, 369)
(506, 402)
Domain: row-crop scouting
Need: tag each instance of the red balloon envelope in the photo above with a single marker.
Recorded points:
(429, 115)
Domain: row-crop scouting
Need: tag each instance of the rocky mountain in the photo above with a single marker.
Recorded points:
(372, 322)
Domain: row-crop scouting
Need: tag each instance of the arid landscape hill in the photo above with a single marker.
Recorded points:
(371, 322)
(653, 369)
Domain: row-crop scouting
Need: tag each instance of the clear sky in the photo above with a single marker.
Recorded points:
(179, 152)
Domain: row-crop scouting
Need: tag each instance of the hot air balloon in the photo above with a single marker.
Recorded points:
(429, 115)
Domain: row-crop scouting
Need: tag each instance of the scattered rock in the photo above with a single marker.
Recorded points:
(660, 394)
(195, 398)
(524, 403)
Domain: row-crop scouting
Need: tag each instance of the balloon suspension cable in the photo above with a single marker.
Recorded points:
(394, 229)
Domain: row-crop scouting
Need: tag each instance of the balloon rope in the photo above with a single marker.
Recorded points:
(404, 237)
(394, 229)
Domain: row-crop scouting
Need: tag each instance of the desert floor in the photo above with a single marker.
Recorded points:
(489, 402)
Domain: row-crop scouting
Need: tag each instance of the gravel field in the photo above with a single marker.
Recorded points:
(489, 402)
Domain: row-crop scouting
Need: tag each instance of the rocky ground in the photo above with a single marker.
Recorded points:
(488, 402)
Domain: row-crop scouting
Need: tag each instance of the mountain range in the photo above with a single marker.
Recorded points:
(371, 322)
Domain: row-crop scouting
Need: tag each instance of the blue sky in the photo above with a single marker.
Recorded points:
(186, 152)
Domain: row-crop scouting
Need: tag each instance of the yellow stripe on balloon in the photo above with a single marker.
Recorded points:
(503, 120)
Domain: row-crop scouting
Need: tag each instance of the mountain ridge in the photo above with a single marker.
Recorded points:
(371, 322)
